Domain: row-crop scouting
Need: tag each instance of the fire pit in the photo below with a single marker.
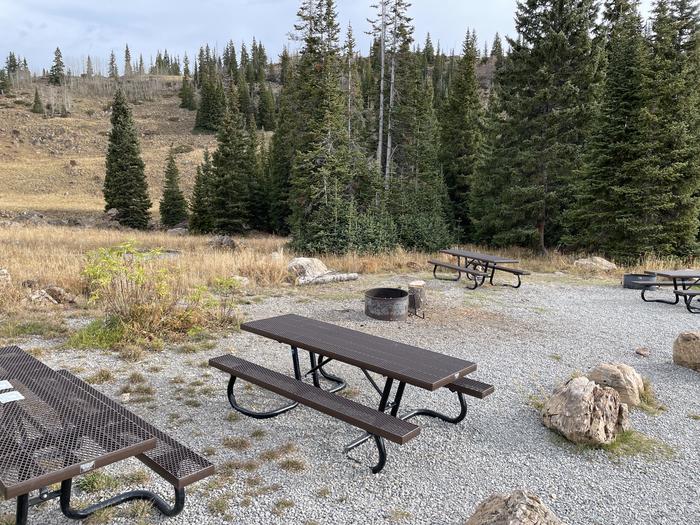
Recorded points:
(386, 304)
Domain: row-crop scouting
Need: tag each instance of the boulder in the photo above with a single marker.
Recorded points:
(222, 242)
(596, 264)
(306, 270)
(623, 378)
(112, 214)
(584, 412)
(517, 508)
(178, 232)
(60, 295)
(5, 279)
(686, 350)
(42, 297)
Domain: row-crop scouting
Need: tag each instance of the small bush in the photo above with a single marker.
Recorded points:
(97, 482)
(182, 148)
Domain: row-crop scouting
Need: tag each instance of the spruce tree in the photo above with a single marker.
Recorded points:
(267, 111)
(37, 107)
(232, 172)
(546, 94)
(89, 73)
(212, 104)
(125, 187)
(128, 68)
(617, 207)
(57, 72)
(201, 216)
(186, 94)
(461, 135)
(113, 72)
(173, 207)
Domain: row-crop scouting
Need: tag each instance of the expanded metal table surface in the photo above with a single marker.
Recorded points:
(410, 364)
(58, 430)
(678, 274)
(483, 257)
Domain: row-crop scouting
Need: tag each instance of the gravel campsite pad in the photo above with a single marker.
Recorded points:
(292, 469)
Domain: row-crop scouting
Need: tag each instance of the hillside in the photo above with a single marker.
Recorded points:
(57, 164)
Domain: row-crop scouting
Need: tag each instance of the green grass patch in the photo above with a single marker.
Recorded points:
(281, 506)
(536, 401)
(97, 482)
(292, 465)
(236, 443)
(14, 328)
(648, 400)
(633, 443)
(103, 375)
(100, 334)
(694, 417)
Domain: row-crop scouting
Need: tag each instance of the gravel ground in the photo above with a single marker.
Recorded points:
(525, 341)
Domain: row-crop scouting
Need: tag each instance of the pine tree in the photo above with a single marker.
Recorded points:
(37, 107)
(201, 216)
(497, 50)
(461, 136)
(128, 69)
(57, 72)
(546, 93)
(245, 102)
(113, 71)
(173, 207)
(613, 212)
(142, 69)
(186, 94)
(267, 111)
(89, 73)
(212, 104)
(125, 187)
(232, 172)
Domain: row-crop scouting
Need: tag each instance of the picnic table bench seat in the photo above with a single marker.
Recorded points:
(174, 462)
(368, 419)
(688, 296)
(514, 271)
(459, 269)
(471, 387)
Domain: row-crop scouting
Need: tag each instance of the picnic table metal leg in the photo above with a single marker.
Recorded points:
(432, 413)
(155, 500)
(663, 301)
(252, 413)
(22, 509)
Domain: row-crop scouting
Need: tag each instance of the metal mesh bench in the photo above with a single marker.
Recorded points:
(173, 461)
(472, 388)
(515, 271)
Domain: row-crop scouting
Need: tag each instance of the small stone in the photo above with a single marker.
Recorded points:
(5, 279)
(643, 351)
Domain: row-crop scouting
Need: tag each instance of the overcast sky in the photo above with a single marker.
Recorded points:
(33, 28)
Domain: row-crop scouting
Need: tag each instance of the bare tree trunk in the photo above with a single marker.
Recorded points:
(382, 53)
(392, 91)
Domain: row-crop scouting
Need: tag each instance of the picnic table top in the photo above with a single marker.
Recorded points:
(58, 430)
(485, 257)
(678, 274)
(411, 364)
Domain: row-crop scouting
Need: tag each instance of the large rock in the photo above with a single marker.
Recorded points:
(59, 295)
(517, 508)
(307, 270)
(222, 242)
(623, 378)
(5, 279)
(686, 350)
(584, 412)
(596, 264)
(178, 232)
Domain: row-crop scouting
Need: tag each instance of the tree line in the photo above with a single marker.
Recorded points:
(586, 139)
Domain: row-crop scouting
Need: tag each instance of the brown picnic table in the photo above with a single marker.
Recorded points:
(54, 427)
(685, 283)
(396, 362)
(478, 267)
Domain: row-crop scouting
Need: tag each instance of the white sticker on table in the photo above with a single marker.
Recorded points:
(5, 385)
(8, 397)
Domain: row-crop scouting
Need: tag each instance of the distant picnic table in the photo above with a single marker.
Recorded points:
(685, 283)
(396, 362)
(478, 267)
(55, 427)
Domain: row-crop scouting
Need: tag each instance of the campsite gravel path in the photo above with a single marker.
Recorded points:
(525, 341)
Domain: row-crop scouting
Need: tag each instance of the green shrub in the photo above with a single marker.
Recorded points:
(100, 334)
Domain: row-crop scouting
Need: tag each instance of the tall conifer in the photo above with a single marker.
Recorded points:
(173, 207)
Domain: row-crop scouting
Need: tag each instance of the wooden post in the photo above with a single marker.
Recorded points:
(416, 296)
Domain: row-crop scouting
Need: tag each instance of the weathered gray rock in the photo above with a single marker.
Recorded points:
(686, 350)
(517, 508)
(222, 242)
(42, 297)
(596, 264)
(623, 378)
(643, 351)
(584, 412)
(178, 232)
(5, 278)
(306, 270)
(59, 295)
